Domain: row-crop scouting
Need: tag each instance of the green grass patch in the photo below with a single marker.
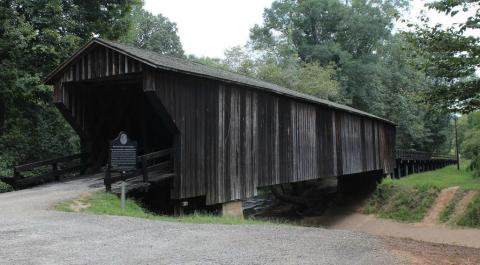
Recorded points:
(446, 214)
(442, 178)
(109, 204)
(471, 217)
(406, 204)
(4, 187)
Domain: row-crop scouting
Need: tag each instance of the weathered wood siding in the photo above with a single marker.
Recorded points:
(234, 139)
(97, 62)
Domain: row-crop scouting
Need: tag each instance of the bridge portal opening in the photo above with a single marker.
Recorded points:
(100, 110)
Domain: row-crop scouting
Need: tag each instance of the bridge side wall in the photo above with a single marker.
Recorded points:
(234, 139)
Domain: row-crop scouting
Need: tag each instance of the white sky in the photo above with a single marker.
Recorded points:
(208, 27)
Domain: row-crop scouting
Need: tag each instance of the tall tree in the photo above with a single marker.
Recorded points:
(35, 36)
(347, 34)
(155, 33)
(452, 56)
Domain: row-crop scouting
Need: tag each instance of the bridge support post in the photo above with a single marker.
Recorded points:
(55, 171)
(232, 209)
(108, 181)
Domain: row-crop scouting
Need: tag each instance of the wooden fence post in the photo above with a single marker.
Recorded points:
(144, 169)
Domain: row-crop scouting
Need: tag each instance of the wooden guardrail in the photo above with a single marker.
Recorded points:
(410, 161)
(156, 161)
(58, 167)
(419, 155)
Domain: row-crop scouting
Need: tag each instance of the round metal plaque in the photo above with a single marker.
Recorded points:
(123, 139)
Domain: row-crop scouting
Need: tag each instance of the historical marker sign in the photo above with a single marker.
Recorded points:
(123, 153)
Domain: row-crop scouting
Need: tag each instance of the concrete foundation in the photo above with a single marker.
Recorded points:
(233, 209)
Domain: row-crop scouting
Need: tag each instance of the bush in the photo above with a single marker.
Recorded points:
(4, 187)
(475, 166)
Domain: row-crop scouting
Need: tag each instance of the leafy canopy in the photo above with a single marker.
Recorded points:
(453, 55)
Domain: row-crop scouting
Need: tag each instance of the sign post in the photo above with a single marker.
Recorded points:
(123, 158)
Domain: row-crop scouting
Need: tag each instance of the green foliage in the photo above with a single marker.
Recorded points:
(155, 33)
(4, 187)
(471, 217)
(452, 56)
(401, 203)
(475, 166)
(109, 204)
(36, 36)
(469, 140)
(442, 178)
(212, 62)
(316, 80)
(330, 31)
(310, 78)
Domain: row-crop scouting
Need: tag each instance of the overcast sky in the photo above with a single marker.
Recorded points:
(208, 27)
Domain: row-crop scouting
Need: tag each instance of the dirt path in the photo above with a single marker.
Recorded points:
(345, 218)
(420, 243)
(463, 203)
(422, 253)
(440, 203)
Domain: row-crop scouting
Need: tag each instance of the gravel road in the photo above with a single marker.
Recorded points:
(32, 233)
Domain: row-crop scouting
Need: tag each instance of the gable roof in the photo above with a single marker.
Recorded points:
(164, 62)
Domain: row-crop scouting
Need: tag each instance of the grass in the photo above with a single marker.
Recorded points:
(64, 206)
(442, 178)
(446, 214)
(408, 199)
(471, 217)
(406, 204)
(109, 204)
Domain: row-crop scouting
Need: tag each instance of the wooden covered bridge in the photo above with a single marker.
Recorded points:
(228, 134)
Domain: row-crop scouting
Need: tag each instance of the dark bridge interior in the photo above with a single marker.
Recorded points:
(107, 108)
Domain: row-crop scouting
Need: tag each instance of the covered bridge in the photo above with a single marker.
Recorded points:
(229, 133)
